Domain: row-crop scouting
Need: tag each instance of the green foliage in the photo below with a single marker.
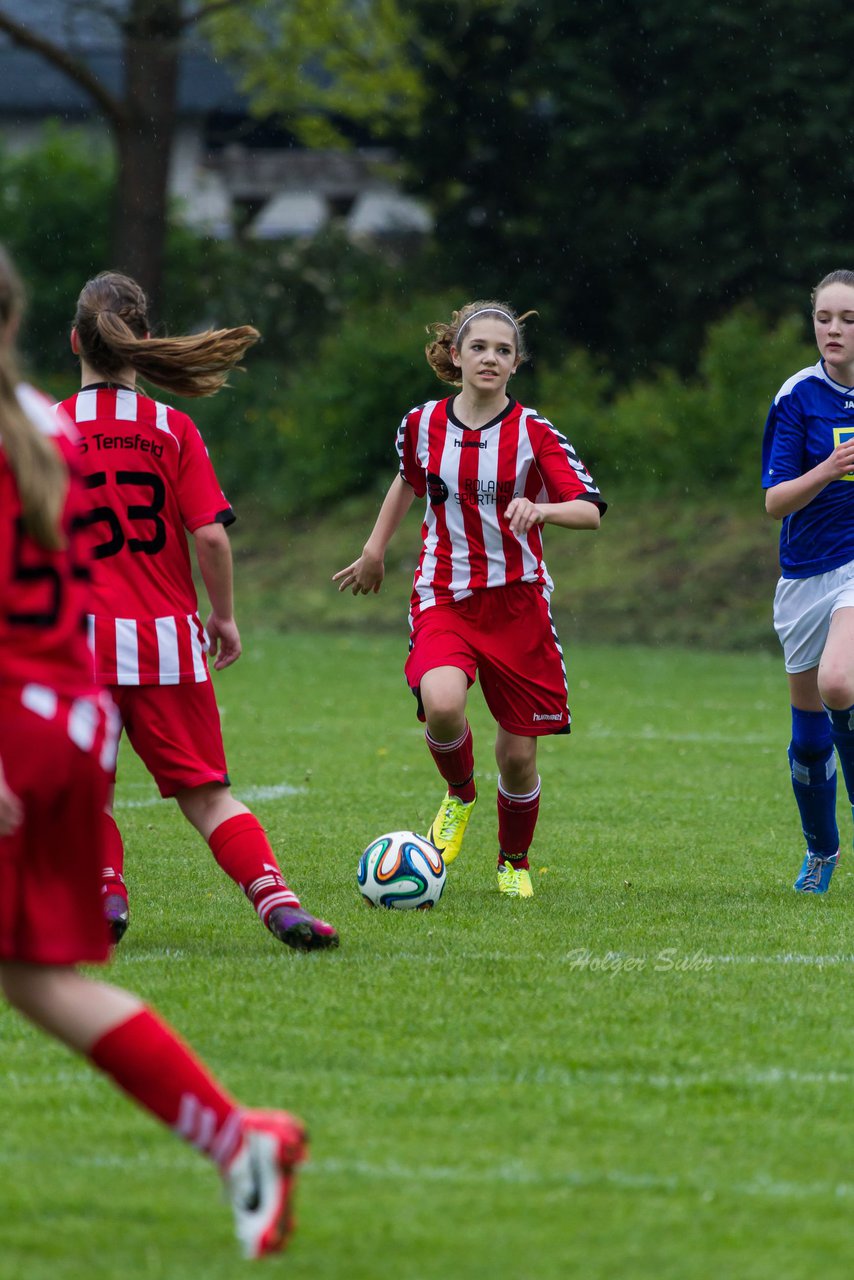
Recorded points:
(324, 68)
(664, 431)
(55, 203)
(634, 170)
(495, 1090)
(343, 408)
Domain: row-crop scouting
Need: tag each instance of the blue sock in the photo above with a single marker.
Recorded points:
(813, 766)
(842, 732)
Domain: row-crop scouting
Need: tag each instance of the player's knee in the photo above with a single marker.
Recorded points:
(517, 766)
(445, 714)
(836, 687)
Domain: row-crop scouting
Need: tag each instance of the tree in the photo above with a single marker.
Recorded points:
(634, 169)
(281, 53)
(141, 117)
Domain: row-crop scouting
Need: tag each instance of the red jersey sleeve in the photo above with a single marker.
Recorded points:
(200, 498)
(564, 475)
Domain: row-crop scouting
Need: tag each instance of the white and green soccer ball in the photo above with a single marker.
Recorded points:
(403, 870)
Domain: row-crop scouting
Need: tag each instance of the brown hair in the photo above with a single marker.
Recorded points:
(832, 277)
(112, 328)
(438, 351)
(37, 465)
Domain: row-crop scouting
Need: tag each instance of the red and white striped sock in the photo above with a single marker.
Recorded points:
(150, 1062)
(241, 848)
(112, 876)
(517, 819)
(455, 762)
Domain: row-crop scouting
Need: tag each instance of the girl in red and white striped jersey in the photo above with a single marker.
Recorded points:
(150, 479)
(493, 472)
(58, 737)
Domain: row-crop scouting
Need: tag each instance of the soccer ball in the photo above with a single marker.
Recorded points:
(402, 870)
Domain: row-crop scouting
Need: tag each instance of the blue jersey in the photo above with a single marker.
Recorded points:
(810, 416)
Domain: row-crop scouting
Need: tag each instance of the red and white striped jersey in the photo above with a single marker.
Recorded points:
(469, 477)
(44, 595)
(150, 479)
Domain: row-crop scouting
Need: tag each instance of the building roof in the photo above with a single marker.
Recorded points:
(31, 87)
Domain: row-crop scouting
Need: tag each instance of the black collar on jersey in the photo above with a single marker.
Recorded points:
(106, 386)
(511, 404)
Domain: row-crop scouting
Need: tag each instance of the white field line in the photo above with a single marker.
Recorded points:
(511, 1173)
(249, 795)
(542, 1076)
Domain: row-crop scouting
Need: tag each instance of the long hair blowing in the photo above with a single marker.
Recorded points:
(37, 465)
(438, 351)
(112, 328)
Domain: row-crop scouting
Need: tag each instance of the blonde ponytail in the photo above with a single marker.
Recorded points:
(112, 327)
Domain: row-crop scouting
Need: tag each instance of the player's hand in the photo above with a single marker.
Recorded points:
(362, 577)
(522, 515)
(841, 461)
(225, 641)
(11, 809)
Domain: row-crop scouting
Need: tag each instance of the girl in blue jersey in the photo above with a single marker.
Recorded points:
(808, 476)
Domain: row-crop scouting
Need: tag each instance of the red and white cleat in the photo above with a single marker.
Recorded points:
(260, 1180)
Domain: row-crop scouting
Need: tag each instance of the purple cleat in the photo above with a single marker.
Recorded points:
(116, 911)
(296, 928)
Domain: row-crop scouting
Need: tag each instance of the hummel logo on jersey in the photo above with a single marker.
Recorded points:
(469, 444)
(99, 441)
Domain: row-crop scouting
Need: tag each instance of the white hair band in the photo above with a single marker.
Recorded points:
(487, 311)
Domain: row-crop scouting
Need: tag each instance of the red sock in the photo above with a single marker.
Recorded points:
(455, 762)
(114, 856)
(517, 818)
(150, 1062)
(242, 849)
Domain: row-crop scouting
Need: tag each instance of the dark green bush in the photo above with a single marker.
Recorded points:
(667, 433)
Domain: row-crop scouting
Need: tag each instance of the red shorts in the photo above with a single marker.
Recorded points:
(504, 635)
(50, 868)
(175, 731)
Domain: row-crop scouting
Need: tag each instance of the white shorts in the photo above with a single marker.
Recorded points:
(803, 608)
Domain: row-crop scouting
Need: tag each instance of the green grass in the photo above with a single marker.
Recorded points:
(643, 1073)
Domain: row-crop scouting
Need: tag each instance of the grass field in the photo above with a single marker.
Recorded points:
(642, 1073)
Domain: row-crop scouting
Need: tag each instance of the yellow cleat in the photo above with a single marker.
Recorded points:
(515, 884)
(449, 826)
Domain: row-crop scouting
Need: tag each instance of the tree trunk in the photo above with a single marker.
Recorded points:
(144, 140)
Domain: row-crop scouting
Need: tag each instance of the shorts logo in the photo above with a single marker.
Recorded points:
(437, 490)
(537, 717)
